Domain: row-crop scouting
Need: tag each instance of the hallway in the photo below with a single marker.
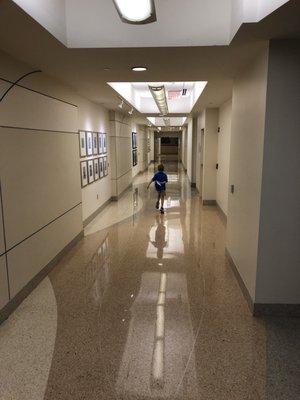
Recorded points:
(147, 308)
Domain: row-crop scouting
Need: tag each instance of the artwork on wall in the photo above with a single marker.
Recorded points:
(101, 170)
(95, 143)
(134, 157)
(104, 143)
(96, 168)
(82, 144)
(148, 144)
(134, 140)
(84, 174)
(91, 177)
(105, 166)
(100, 146)
(89, 143)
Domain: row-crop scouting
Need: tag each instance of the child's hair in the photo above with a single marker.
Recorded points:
(161, 167)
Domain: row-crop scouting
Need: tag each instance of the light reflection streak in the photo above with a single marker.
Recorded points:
(159, 340)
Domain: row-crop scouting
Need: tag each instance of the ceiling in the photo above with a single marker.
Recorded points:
(96, 23)
(139, 96)
(87, 70)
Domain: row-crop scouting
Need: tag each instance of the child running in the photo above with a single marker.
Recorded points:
(160, 179)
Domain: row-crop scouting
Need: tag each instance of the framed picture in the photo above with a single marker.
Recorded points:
(100, 148)
(95, 143)
(134, 157)
(134, 140)
(105, 166)
(82, 143)
(89, 143)
(96, 169)
(104, 143)
(101, 169)
(91, 177)
(83, 173)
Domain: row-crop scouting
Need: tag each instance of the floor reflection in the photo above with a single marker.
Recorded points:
(159, 341)
(151, 310)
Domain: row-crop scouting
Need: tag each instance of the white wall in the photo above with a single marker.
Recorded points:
(223, 156)
(210, 148)
(51, 14)
(245, 173)
(245, 11)
(278, 273)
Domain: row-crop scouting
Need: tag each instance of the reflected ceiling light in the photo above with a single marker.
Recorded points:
(159, 95)
(139, 69)
(121, 104)
(136, 11)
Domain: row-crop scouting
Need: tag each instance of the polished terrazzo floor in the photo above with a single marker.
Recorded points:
(147, 307)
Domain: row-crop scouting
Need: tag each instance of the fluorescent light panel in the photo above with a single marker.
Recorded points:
(159, 95)
(136, 11)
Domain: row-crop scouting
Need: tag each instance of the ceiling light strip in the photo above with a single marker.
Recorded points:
(159, 96)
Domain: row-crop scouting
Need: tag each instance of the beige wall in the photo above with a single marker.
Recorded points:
(39, 172)
(93, 117)
(43, 202)
(189, 149)
(278, 273)
(142, 135)
(210, 148)
(150, 134)
(121, 127)
(199, 154)
(246, 158)
(223, 156)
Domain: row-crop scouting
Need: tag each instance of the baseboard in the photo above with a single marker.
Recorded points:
(10, 307)
(209, 202)
(116, 198)
(277, 310)
(244, 290)
(263, 309)
(95, 213)
(222, 214)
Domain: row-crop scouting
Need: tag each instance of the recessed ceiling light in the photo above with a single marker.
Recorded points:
(139, 69)
(136, 11)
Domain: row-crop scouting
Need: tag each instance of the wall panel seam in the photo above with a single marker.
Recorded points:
(40, 229)
(39, 130)
(4, 239)
(38, 92)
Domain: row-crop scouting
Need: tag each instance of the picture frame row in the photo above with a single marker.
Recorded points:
(93, 170)
(134, 140)
(134, 157)
(92, 143)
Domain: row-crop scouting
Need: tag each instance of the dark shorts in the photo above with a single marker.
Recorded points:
(161, 192)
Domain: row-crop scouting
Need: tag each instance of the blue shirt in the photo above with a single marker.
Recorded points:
(160, 179)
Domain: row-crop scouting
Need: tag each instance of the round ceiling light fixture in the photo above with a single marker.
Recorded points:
(139, 68)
